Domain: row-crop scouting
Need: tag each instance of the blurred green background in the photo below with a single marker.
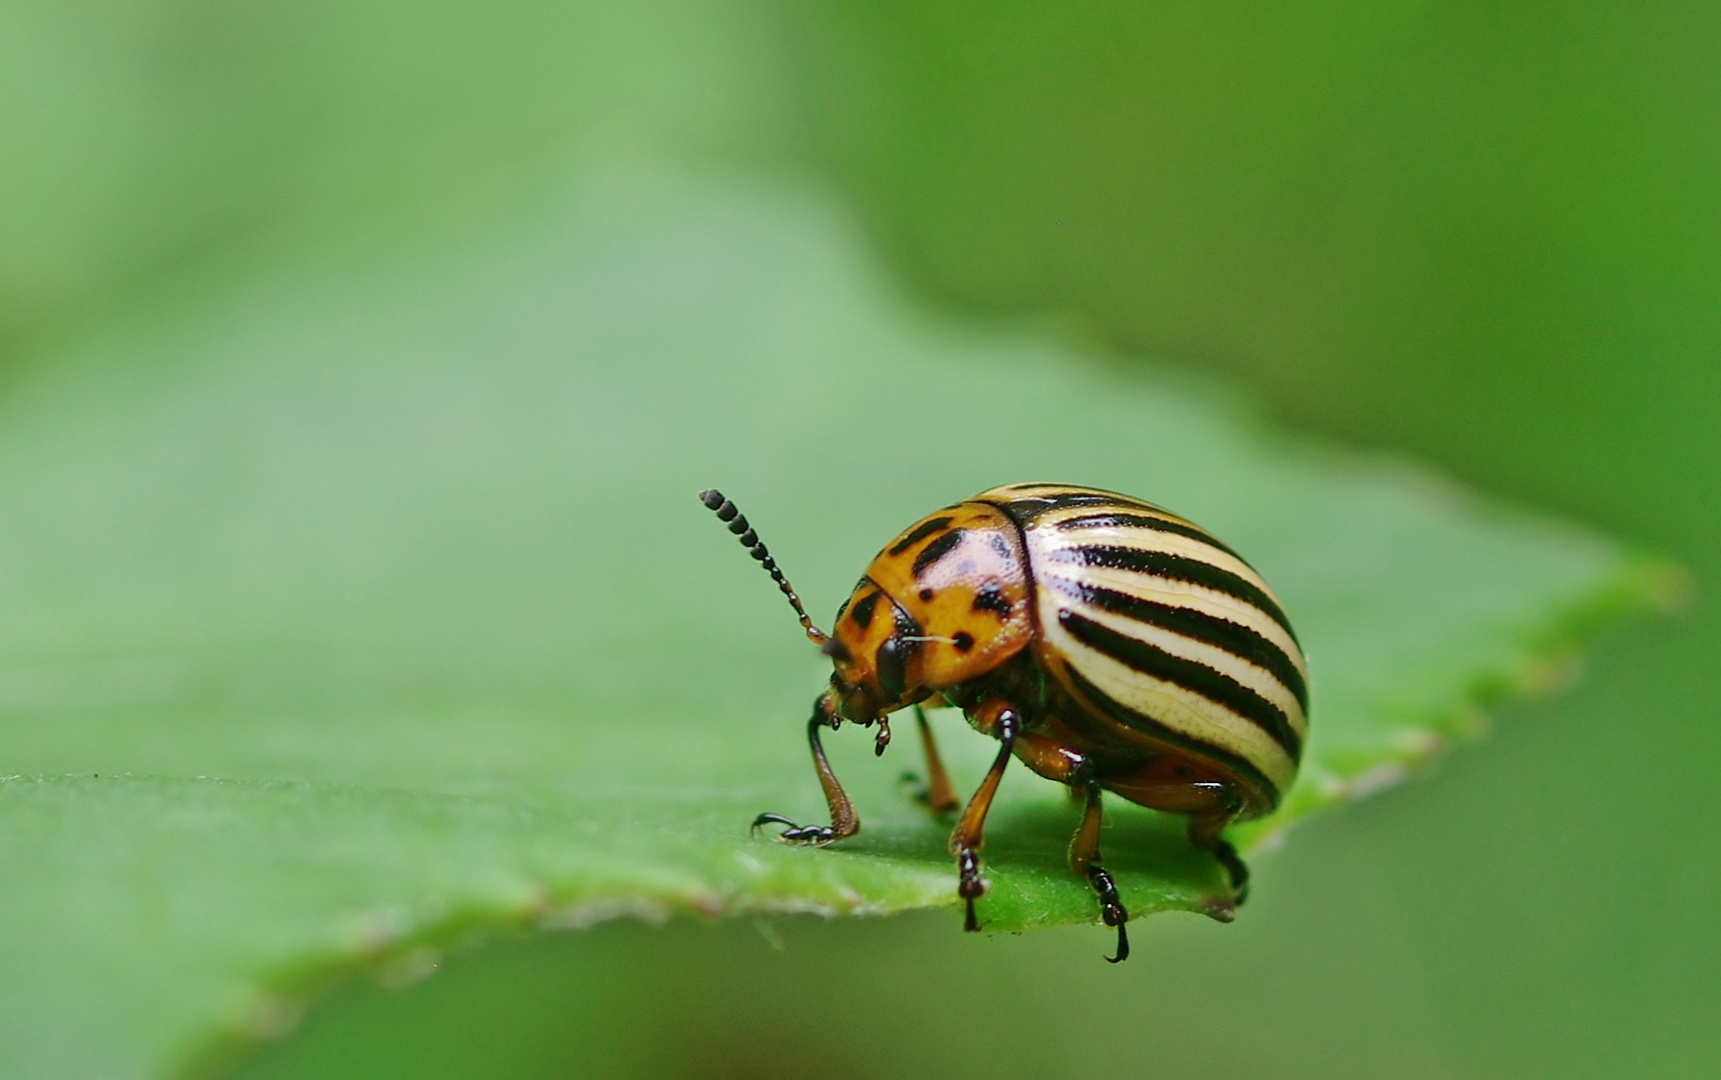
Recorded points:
(1486, 235)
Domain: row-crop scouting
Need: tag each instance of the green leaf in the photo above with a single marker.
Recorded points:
(145, 139)
(346, 615)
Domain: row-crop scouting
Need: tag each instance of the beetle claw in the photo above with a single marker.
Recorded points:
(1122, 945)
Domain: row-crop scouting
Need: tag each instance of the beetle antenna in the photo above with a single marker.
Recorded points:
(727, 512)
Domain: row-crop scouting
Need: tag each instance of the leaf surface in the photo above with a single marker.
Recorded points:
(346, 614)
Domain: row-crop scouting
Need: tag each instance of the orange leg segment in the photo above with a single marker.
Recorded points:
(994, 716)
(1211, 804)
(844, 821)
(939, 796)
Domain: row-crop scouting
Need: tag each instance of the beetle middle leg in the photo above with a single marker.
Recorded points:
(1085, 860)
(844, 821)
(937, 792)
(993, 717)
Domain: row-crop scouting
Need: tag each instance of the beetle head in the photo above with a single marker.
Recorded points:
(873, 649)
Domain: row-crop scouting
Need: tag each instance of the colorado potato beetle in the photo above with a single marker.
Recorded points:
(1109, 644)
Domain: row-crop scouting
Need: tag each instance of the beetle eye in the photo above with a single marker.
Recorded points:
(892, 668)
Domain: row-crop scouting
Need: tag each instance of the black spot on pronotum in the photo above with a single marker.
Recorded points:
(991, 598)
(921, 532)
(861, 613)
(936, 550)
(926, 594)
(963, 641)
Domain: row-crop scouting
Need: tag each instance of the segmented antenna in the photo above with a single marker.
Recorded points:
(727, 512)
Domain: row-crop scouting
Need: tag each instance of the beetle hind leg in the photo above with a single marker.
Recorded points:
(1204, 833)
(1085, 860)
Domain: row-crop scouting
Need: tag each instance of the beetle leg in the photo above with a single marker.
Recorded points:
(844, 821)
(1085, 860)
(937, 793)
(1211, 804)
(993, 717)
(1204, 830)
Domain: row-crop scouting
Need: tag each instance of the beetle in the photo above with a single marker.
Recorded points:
(1107, 643)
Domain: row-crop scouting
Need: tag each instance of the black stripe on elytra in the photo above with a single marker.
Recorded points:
(1024, 508)
(1196, 749)
(936, 550)
(1192, 675)
(921, 532)
(1234, 638)
(861, 613)
(1075, 495)
(991, 598)
(1176, 568)
(1142, 521)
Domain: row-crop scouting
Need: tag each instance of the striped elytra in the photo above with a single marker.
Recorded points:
(1164, 631)
(1106, 643)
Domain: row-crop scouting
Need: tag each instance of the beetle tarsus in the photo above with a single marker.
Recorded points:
(810, 835)
(971, 887)
(1112, 910)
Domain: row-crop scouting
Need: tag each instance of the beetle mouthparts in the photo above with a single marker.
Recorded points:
(835, 649)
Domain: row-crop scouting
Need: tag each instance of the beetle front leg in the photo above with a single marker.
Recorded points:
(993, 716)
(844, 821)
